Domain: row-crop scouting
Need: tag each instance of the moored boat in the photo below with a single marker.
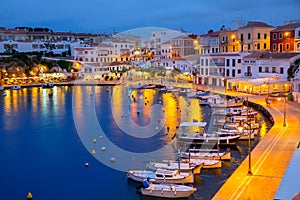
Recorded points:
(173, 165)
(161, 176)
(48, 85)
(16, 87)
(207, 154)
(167, 190)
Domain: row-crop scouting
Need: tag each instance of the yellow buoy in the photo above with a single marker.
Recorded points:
(29, 196)
(156, 128)
(93, 152)
(94, 140)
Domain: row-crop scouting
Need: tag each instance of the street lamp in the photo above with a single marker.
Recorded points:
(284, 95)
(241, 128)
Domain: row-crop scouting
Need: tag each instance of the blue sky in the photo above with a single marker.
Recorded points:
(100, 16)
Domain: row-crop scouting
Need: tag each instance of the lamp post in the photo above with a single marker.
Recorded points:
(241, 127)
(284, 112)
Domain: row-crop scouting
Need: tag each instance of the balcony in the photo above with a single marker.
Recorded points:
(248, 74)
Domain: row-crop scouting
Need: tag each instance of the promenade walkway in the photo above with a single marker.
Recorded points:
(270, 158)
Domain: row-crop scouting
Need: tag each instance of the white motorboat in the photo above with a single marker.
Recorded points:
(16, 87)
(207, 164)
(167, 190)
(203, 138)
(47, 85)
(161, 176)
(173, 165)
(207, 154)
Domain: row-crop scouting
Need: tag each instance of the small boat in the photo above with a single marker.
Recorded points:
(207, 164)
(48, 85)
(161, 176)
(204, 138)
(16, 87)
(212, 154)
(173, 165)
(167, 190)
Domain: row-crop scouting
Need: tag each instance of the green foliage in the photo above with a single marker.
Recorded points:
(64, 64)
(292, 69)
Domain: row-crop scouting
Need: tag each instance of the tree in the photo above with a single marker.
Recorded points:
(49, 46)
(9, 49)
(292, 69)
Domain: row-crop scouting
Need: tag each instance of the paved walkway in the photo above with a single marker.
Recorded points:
(270, 158)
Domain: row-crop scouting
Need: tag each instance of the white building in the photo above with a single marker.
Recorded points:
(209, 43)
(296, 86)
(265, 73)
(158, 38)
(25, 46)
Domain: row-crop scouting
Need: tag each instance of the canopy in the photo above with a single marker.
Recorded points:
(194, 124)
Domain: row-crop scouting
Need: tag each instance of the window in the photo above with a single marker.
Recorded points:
(227, 72)
(281, 70)
(239, 71)
(233, 73)
(201, 62)
(274, 47)
(258, 36)
(265, 36)
(206, 62)
(239, 61)
(287, 46)
(280, 35)
(267, 69)
(273, 69)
(242, 37)
(206, 71)
(249, 36)
(233, 62)
(202, 71)
(227, 62)
(249, 47)
(274, 36)
(259, 69)
(265, 45)
(258, 46)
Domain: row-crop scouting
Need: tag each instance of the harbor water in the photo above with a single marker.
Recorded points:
(42, 151)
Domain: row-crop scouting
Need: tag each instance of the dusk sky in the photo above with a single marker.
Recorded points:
(99, 16)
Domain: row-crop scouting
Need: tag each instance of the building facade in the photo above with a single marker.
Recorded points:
(286, 38)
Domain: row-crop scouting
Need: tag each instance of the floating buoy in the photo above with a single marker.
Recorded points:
(156, 128)
(107, 89)
(94, 140)
(93, 152)
(29, 196)
(86, 164)
(4, 94)
(100, 136)
(103, 149)
(112, 159)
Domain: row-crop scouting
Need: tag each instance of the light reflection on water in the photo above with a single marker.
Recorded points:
(48, 117)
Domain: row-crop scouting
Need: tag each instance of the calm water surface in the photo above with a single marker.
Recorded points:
(41, 152)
